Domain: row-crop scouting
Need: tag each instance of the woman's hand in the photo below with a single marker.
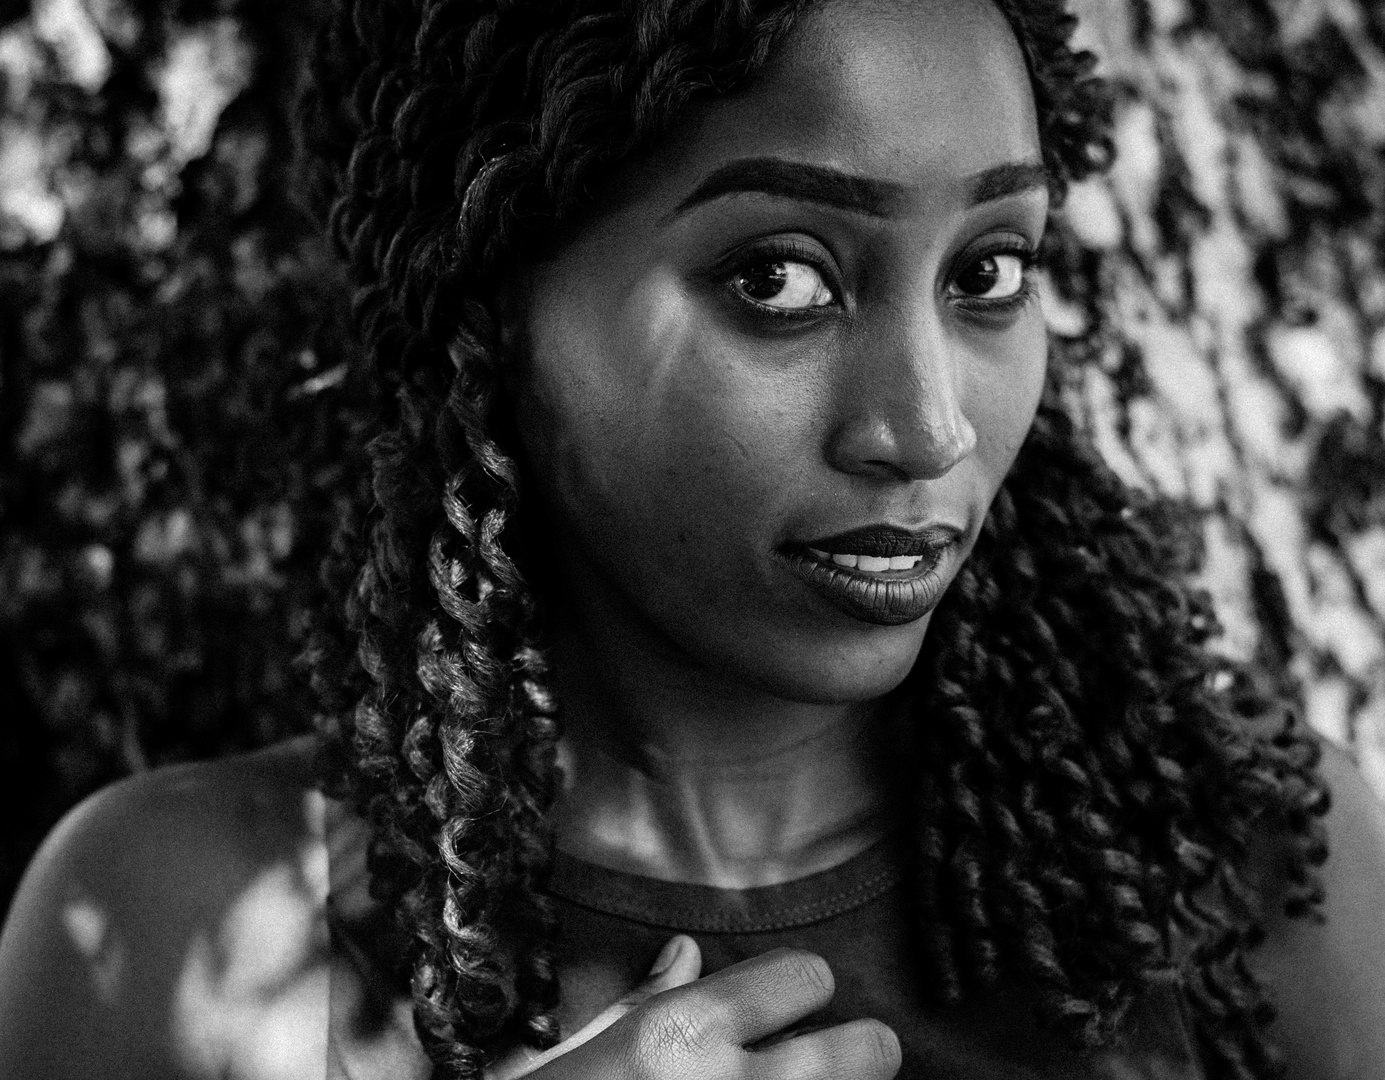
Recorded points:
(675, 1025)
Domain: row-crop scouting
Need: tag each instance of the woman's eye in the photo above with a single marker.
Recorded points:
(787, 285)
(993, 277)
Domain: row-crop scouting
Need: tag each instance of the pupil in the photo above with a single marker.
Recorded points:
(764, 282)
(981, 277)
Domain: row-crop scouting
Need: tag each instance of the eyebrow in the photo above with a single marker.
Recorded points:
(845, 191)
(1002, 181)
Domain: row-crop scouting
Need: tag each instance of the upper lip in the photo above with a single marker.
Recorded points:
(886, 540)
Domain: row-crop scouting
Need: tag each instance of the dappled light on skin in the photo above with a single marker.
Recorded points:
(89, 927)
(660, 316)
(251, 1000)
(388, 1049)
(371, 1034)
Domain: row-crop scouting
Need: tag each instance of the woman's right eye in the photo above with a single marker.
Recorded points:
(783, 284)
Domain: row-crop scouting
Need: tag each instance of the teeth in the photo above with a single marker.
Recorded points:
(871, 564)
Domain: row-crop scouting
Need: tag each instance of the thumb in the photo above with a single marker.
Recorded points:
(678, 963)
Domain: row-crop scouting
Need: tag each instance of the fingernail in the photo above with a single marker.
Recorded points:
(667, 955)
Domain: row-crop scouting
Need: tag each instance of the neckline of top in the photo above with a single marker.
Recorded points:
(680, 906)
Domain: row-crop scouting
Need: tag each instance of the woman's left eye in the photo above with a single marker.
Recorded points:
(784, 284)
(993, 277)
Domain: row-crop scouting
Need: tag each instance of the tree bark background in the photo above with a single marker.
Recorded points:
(1226, 297)
(176, 375)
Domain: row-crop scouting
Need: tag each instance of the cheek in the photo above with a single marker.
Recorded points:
(652, 434)
(1004, 394)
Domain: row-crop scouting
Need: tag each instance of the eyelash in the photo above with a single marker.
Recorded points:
(1029, 261)
(784, 250)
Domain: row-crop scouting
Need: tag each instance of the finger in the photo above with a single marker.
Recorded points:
(520, 1061)
(678, 963)
(760, 996)
(860, 1049)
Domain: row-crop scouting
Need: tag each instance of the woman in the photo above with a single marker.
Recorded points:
(721, 429)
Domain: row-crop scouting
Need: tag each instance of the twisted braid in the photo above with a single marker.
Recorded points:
(1078, 808)
(1087, 783)
(1074, 109)
(439, 168)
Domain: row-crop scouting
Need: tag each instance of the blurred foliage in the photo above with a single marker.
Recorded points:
(173, 405)
(177, 410)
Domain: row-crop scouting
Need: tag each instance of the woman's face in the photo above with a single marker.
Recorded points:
(769, 391)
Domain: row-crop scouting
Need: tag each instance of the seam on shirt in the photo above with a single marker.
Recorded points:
(802, 914)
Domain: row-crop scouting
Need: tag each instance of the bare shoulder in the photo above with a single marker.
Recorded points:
(1328, 978)
(159, 905)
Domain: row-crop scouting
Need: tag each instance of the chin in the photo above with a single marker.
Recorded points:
(859, 666)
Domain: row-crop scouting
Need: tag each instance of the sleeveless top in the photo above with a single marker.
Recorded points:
(855, 915)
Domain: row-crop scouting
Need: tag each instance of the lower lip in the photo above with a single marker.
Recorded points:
(891, 598)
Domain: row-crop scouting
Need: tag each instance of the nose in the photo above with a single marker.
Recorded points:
(900, 414)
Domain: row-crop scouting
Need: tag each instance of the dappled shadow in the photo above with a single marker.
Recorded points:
(251, 999)
(205, 947)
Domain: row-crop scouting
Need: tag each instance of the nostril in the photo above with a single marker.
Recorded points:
(902, 451)
(962, 440)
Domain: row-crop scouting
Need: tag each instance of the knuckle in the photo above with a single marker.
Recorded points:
(676, 1030)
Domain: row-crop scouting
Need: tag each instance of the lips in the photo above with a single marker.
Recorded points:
(885, 540)
(881, 574)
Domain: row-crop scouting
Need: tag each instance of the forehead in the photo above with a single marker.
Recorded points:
(912, 91)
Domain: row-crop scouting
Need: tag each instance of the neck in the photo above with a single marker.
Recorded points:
(679, 774)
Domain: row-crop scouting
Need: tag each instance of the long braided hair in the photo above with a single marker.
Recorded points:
(1087, 774)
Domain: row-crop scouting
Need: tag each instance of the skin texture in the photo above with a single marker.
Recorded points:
(679, 436)
(723, 719)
